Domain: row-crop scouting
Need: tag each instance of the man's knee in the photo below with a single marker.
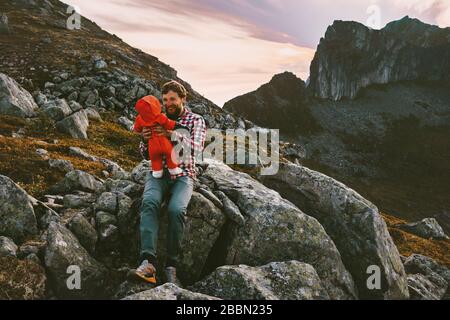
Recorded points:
(150, 205)
(175, 211)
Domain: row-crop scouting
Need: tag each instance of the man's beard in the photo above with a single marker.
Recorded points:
(175, 115)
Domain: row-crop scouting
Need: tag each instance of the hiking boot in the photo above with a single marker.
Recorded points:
(171, 276)
(147, 272)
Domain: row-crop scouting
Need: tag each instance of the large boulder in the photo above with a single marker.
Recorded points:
(15, 100)
(203, 224)
(77, 180)
(291, 280)
(75, 125)
(17, 218)
(57, 109)
(21, 279)
(354, 224)
(63, 251)
(276, 230)
(169, 291)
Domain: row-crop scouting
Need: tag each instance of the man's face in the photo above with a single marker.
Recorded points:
(174, 104)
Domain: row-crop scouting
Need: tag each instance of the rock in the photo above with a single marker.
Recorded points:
(17, 218)
(42, 153)
(125, 122)
(93, 114)
(417, 263)
(40, 99)
(75, 106)
(421, 288)
(427, 228)
(354, 224)
(75, 151)
(30, 248)
(63, 250)
(104, 219)
(204, 222)
(108, 237)
(57, 110)
(4, 26)
(211, 197)
(15, 100)
(276, 230)
(290, 280)
(78, 180)
(352, 56)
(62, 165)
(21, 279)
(107, 202)
(78, 200)
(75, 125)
(169, 291)
(84, 231)
(44, 214)
(128, 288)
(124, 186)
(7, 247)
(230, 209)
(443, 219)
(126, 220)
(100, 64)
(139, 173)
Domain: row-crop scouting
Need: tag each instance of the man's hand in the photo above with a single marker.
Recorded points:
(159, 130)
(146, 133)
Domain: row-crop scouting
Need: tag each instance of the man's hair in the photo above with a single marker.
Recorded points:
(175, 87)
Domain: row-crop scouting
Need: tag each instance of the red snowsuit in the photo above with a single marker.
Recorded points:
(150, 115)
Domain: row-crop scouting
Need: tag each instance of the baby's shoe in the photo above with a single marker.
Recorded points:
(175, 171)
(157, 174)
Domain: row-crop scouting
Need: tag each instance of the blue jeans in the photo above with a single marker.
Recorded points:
(180, 194)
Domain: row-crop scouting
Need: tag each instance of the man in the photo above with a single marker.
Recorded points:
(179, 187)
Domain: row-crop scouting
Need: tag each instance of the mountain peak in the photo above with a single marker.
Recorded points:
(352, 56)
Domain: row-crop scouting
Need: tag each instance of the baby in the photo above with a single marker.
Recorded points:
(150, 115)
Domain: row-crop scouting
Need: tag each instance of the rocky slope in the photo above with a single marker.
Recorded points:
(71, 182)
(89, 66)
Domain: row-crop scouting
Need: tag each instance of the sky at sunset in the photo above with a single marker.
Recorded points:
(225, 48)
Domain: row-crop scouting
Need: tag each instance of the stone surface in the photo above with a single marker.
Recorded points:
(7, 247)
(427, 228)
(276, 230)
(15, 100)
(290, 280)
(17, 218)
(353, 223)
(169, 291)
(75, 125)
(64, 250)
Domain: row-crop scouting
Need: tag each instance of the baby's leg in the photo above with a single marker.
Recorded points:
(157, 163)
(170, 160)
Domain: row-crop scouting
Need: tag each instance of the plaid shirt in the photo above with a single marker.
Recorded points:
(195, 141)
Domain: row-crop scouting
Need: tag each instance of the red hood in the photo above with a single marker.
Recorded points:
(148, 108)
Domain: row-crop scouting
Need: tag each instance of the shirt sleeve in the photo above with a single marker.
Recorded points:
(196, 139)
